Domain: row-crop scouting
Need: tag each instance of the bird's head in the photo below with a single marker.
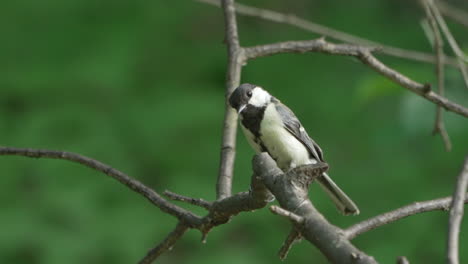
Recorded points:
(249, 94)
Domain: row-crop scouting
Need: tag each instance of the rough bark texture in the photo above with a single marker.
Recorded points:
(291, 191)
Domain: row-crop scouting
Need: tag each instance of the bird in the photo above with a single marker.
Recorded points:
(270, 126)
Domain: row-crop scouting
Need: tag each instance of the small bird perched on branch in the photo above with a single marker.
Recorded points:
(272, 127)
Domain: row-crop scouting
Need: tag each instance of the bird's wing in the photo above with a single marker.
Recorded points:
(294, 126)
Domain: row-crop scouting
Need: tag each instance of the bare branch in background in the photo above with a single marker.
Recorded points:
(456, 14)
(301, 23)
(456, 214)
(392, 216)
(165, 245)
(461, 57)
(228, 145)
(438, 46)
(364, 54)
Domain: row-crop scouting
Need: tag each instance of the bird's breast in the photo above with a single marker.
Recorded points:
(280, 143)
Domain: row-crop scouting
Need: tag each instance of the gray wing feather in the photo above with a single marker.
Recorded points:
(293, 125)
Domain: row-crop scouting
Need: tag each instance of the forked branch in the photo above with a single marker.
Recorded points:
(364, 54)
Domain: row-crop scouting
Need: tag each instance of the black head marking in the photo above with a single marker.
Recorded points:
(241, 95)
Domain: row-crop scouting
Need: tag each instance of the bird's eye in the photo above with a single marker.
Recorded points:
(249, 93)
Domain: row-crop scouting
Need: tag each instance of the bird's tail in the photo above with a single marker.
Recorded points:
(344, 204)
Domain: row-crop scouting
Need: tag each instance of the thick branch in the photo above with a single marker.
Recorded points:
(228, 146)
(221, 211)
(166, 244)
(363, 54)
(291, 191)
(257, 197)
(456, 214)
(392, 216)
(329, 32)
(183, 215)
(297, 219)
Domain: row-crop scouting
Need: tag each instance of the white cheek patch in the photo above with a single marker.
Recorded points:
(259, 97)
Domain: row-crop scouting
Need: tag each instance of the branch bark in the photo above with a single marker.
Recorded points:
(392, 216)
(228, 145)
(456, 214)
(438, 46)
(165, 245)
(138, 187)
(364, 54)
(461, 57)
(301, 23)
(456, 14)
(291, 191)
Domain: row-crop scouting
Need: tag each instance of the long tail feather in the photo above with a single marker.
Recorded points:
(344, 204)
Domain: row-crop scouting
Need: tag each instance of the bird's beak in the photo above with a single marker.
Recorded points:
(241, 108)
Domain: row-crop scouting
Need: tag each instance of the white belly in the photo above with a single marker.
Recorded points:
(282, 145)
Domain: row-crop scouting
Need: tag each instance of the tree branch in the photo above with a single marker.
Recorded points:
(329, 32)
(439, 126)
(183, 215)
(392, 216)
(456, 214)
(454, 13)
(296, 219)
(461, 57)
(165, 245)
(228, 145)
(291, 191)
(293, 236)
(364, 55)
(198, 202)
(220, 211)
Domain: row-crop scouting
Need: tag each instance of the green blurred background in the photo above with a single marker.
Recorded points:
(140, 85)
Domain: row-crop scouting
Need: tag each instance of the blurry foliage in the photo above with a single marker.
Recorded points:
(140, 86)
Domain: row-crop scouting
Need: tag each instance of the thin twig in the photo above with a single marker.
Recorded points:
(456, 14)
(182, 214)
(228, 145)
(456, 214)
(364, 55)
(198, 202)
(293, 236)
(461, 57)
(439, 125)
(392, 216)
(285, 213)
(165, 245)
(329, 32)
